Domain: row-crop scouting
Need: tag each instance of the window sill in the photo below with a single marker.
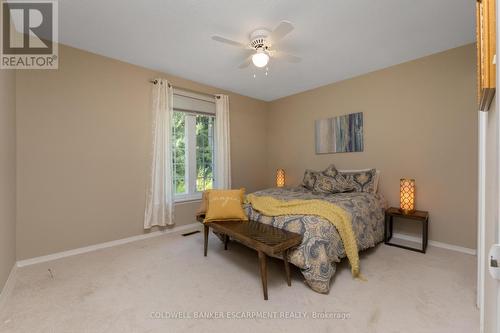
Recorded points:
(187, 198)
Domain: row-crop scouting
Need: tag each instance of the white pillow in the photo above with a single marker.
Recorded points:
(375, 181)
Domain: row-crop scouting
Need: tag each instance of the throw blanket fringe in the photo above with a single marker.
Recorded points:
(334, 214)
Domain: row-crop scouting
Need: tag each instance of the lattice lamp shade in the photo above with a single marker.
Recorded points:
(407, 188)
(280, 178)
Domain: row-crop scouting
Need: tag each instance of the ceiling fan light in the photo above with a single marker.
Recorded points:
(260, 59)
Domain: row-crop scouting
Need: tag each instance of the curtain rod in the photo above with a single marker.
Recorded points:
(155, 81)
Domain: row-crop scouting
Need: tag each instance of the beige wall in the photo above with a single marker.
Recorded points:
(83, 134)
(420, 121)
(83, 147)
(7, 173)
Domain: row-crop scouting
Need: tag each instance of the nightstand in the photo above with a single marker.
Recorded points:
(418, 215)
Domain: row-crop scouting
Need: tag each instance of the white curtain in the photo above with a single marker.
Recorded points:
(160, 195)
(222, 143)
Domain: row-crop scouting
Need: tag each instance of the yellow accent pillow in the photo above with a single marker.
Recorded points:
(225, 205)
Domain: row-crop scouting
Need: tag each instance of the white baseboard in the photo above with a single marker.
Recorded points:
(8, 287)
(177, 230)
(64, 254)
(451, 247)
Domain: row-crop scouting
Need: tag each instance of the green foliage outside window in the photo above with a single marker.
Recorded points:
(204, 152)
(179, 152)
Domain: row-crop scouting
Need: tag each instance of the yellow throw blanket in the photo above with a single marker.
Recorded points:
(337, 216)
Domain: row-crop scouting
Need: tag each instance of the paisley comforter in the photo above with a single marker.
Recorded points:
(322, 247)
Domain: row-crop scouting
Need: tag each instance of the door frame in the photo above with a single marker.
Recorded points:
(482, 260)
(481, 211)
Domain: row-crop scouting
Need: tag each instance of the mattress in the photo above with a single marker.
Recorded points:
(322, 246)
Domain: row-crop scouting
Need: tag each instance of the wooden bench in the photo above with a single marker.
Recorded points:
(265, 239)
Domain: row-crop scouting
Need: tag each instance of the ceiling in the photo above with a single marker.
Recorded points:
(337, 39)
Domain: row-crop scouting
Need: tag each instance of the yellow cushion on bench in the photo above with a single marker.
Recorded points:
(225, 205)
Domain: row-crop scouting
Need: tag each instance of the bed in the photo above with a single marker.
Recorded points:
(322, 247)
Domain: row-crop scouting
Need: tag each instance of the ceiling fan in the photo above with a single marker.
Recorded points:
(261, 45)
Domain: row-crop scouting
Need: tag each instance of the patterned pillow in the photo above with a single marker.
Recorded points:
(309, 179)
(327, 184)
(331, 171)
(362, 181)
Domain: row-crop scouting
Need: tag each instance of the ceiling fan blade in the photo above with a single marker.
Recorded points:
(246, 63)
(288, 57)
(229, 41)
(283, 29)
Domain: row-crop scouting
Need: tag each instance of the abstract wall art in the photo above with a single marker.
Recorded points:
(342, 134)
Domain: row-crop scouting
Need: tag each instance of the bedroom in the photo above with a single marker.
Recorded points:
(79, 253)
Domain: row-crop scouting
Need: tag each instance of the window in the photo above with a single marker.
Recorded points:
(193, 149)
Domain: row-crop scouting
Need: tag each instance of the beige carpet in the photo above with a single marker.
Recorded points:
(118, 290)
